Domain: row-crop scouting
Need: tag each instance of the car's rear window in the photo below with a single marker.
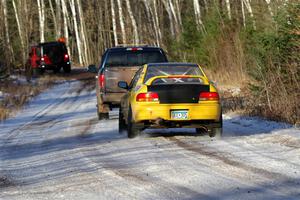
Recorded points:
(53, 48)
(134, 58)
(173, 70)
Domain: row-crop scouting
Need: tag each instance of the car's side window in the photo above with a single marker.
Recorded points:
(135, 78)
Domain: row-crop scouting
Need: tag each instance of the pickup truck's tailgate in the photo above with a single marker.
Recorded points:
(115, 74)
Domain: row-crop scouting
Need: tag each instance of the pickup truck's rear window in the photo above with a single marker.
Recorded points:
(134, 58)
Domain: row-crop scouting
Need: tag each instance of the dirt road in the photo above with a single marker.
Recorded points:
(57, 149)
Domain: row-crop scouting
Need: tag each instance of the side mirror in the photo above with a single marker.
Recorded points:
(123, 84)
(92, 69)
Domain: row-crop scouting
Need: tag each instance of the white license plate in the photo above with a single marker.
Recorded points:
(179, 114)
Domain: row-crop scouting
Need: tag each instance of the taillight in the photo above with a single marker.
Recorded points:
(101, 80)
(66, 58)
(147, 97)
(208, 96)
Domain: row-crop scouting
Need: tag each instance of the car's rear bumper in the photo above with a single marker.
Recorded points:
(53, 66)
(112, 98)
(203, 111)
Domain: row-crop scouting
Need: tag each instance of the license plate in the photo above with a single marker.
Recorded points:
(179, 114)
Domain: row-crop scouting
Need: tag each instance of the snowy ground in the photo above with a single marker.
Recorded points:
(56, 149)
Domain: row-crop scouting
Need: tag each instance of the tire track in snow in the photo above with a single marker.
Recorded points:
(218, 155)
(36, 121)
(260, 174)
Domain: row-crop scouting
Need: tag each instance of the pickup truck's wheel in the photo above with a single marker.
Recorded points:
(103, 116)
(122, 123)
(132, 129)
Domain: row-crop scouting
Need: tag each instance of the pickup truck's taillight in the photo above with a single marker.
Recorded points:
(208, 96)
(101, 80)
(147, 97)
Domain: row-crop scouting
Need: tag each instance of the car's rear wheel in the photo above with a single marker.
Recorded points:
(122, 123)
(218, 131)
(132, 129)
(215, 133)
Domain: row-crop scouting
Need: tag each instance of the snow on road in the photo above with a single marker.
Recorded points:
(56, 149)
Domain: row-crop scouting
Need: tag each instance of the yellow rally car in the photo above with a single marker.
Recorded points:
(170, 95)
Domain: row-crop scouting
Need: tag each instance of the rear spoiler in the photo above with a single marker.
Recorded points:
(151, 80)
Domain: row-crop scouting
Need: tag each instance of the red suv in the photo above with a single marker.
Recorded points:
(48, 56)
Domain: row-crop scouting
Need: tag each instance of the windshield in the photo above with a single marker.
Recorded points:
(136, 58)
(173, 70)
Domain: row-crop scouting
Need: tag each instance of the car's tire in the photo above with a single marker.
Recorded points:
(67, 69)
(215, 133)
(132, 130)
(201, 131)
(122, 122)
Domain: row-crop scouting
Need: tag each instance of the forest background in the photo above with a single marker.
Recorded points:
(253, 44)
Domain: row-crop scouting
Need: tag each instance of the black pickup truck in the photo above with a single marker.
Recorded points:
(120, 63)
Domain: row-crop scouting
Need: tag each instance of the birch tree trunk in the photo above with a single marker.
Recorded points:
(249, 8)
(269, 7)
(7, 39)
(157, 26)
(114, 25)
(58, 18)
(19, 31)
(243, 13)
(65, 21)
(86, 55)
(133, 22)
(53, 18)
(151, 17)
(121, 21)
(168, 9)
(41, 9)
(172, 9)
(78, 40)
(228, 8)
(197, 11)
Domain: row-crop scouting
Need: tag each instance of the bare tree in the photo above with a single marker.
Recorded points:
(41, 9)
(53, 17)
(65, 21)
(198, 15)
(10, 52)
(114, 25)
(133, 22)
(249, 8)
(228, 8)
(121, 20)
(19, 31)
(75, 23)
(83, 34)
